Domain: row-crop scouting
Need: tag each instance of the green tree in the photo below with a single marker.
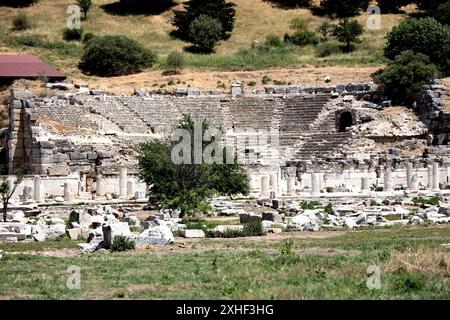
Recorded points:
(85, 6)
(342, 8)
(6, 192)
(325, 29)
(115, 56)
(426, 36)
(405, 75)
(217, 9)
(205, 32)
(442, 13)
(348, 31)
(392, 6)
(187, 185)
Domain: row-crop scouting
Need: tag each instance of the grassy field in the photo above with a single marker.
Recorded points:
(323, 265)
(255, 19)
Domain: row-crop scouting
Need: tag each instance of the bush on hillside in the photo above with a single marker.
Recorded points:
(175, 61)
(302, 38)
(426, 36)
(17, 3)
(342, 8)
(87, 36)
(273, 41)
(115, 56)
(326, 49)
(442, 13)
(21, 22)
(392, 6)
(72, 34)
(405, 75)
(289, 4)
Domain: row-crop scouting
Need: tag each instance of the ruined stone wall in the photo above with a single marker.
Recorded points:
(94, 135)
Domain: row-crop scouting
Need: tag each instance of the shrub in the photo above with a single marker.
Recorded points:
(428, 5)
(273, 41)
(442, 13)
(287, 247)
(302, 38)
(175, 60)
(348, 31)
(205, 32)
(434, 201)
(220, 10)
(288, 4)
(392, 6)
(17, 3)
(251, 83)
(425, 35)
(88, 36)
(343, 8)
(72, 34)
(253, 228)
(115, 56)
(326, 49)
(21, 22)
(405, 76)
(122, 243)
(325, 29)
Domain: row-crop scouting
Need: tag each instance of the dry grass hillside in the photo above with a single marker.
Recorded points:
(255, 20)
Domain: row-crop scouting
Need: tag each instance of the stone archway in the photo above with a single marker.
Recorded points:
(345, 121)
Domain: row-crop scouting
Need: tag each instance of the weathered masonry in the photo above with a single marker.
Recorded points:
(301, 139)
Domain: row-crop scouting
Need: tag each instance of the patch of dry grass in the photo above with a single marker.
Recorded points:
(421, 259)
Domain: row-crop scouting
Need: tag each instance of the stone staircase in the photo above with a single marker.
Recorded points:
(320, 145)
(298, 115)
(120, 114)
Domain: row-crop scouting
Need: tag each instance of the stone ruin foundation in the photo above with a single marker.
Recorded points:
(343, 143)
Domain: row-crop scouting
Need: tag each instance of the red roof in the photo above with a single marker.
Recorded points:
(26, 66)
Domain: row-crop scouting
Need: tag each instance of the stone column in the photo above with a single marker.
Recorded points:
(409, 174)
(38, 189)
(291, 186)
(315, 183)
(130, 188)
(274, 183)
(100, 186)
(123, 182)
(388, 180)
(414, 183)
(26, 194)
(365, 184)
(265, 186)
(68, 195)
(436, 176)
(430, 176)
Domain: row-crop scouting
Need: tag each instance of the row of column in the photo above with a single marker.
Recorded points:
(269, 184)
(126, 188)
(412, 183)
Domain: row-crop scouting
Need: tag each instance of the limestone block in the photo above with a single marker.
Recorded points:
(61, 169)
(77, 156)
(193, 233)
(47, 144)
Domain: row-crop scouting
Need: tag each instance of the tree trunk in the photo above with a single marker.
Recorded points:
(5, 210)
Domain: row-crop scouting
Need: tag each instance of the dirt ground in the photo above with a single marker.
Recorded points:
(209, 80)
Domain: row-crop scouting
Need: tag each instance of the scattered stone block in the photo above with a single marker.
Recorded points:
(193, 233)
